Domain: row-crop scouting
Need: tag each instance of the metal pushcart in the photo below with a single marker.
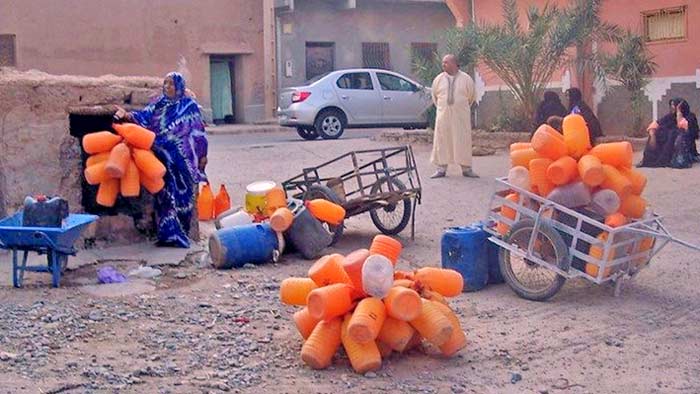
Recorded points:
(55, 242)
(383, 182)
(543, 243)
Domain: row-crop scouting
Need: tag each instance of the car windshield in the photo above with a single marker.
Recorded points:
(316, 78)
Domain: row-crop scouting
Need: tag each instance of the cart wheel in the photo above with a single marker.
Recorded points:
(393, 218)
(528, 279)
(307, 133)
(324, 192)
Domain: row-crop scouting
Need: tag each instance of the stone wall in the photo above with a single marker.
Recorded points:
(39, 155)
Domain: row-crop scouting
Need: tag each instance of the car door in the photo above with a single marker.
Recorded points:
(402, 100)
(359, 97)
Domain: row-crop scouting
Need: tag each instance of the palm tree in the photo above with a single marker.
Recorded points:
(526, 58)
(583, 17)
(631, 65)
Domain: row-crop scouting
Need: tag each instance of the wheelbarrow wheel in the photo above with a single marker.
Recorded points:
(324, 192)
(394, 217)
(528, 279)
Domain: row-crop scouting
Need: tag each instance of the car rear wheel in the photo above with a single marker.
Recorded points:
(330, 124)
(307, 133)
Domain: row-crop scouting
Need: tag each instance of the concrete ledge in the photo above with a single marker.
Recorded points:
(486, 143)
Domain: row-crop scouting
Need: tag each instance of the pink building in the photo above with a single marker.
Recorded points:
(671, 40)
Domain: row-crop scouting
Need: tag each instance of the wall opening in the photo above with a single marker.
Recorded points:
(223, 89)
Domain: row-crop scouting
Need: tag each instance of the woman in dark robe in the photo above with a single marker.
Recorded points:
(181, 144)
(578, 106)
(550, 106)
(670, 138)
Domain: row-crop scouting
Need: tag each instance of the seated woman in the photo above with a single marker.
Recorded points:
(578, 106)
(550, 106)
(670, 138)
(181, 144)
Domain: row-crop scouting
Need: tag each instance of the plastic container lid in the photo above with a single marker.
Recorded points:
(260, 187)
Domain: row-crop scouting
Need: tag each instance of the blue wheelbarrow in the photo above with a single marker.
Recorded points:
(55, 242)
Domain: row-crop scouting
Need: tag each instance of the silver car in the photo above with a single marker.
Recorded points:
(353, 98)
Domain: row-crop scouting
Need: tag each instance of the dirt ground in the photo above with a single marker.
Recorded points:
(198, 330)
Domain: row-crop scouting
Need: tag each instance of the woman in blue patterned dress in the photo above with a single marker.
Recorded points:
(181, 144)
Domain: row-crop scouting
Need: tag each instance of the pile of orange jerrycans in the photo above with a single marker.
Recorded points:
(360, 301)
(121, 163)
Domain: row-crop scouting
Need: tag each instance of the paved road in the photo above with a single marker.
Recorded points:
(283, 137)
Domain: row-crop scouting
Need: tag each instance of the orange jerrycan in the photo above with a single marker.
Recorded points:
(107, 192)
(538, 176)
(319, 348)
(222, 201)
(590, 169)
(96, 174)
(387, 247)
(363, 356)
(457, 340)
(118, 161)
(444, 281)
(330, 301)
(367, 320)
(636, 178)
(562, 171)
(152, 185)
(304, 322)
(396, 333)
(432, 324)
(102, 141)
(294, 291)
(130, 182)
(402, 303)
(135, 135)
(616, 181)
(520, 145)
(326, 211)
(281, 219)
(633, 206)
(149, 164)
(616, 154)
(205, 203)
(96, 158)
(352, 264)
(576, 135)
(329, 270)
(522, 157)
(548, 143)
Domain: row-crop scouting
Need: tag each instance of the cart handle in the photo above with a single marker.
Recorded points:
(42, 235)
(666, 236)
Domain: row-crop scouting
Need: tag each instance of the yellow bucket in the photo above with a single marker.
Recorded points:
(255, 197)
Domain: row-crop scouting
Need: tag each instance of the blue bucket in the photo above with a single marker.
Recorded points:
(464, 250)
(235, 247)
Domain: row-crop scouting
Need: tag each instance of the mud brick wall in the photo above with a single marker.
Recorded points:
(37, 152)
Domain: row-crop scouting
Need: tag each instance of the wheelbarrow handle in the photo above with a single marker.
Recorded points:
(42, 235)
(665, 235)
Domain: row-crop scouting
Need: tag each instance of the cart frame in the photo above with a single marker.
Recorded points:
(395, 166)
(621, 252)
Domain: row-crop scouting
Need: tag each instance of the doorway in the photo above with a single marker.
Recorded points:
(223, 97)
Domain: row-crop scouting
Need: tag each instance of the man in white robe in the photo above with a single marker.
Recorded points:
(453, 94)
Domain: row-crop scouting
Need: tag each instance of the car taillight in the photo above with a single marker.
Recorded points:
(298, 97)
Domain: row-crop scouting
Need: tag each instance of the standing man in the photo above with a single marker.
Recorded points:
(453, 94)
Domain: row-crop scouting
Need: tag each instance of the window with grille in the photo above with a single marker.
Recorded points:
(7, 50)
(376, 55)
(425, 52)
(665, 24)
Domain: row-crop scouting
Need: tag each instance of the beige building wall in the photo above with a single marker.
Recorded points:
(137, 37)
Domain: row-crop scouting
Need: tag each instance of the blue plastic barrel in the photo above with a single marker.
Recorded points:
(235, 247)
(464, 250)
